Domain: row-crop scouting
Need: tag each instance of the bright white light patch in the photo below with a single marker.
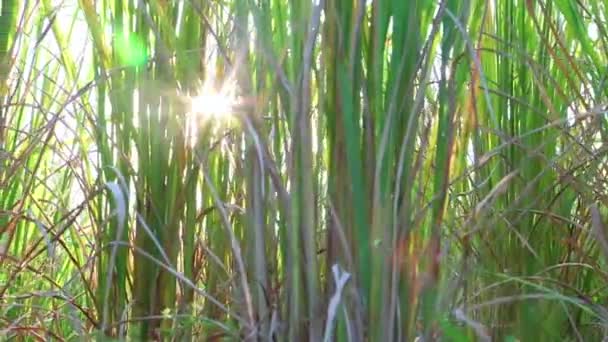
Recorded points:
(212, 104)
(592, 30)
(215, 105)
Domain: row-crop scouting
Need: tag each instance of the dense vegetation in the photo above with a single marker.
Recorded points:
(304, 170)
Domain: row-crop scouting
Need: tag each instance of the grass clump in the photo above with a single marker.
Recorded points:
(325, 170)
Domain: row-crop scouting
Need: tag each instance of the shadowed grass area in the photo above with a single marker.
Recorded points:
(278, 170)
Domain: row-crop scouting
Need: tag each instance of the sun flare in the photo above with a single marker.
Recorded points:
(212, 104)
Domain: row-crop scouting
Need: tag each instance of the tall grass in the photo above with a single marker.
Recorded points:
(388, 171)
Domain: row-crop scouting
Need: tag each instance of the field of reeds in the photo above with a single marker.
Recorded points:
(303, 170)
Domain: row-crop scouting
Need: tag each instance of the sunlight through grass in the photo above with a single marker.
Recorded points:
(215, 104)
(194, 170)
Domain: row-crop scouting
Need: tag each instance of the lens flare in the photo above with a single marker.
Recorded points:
(212, 104)
(215, 105)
